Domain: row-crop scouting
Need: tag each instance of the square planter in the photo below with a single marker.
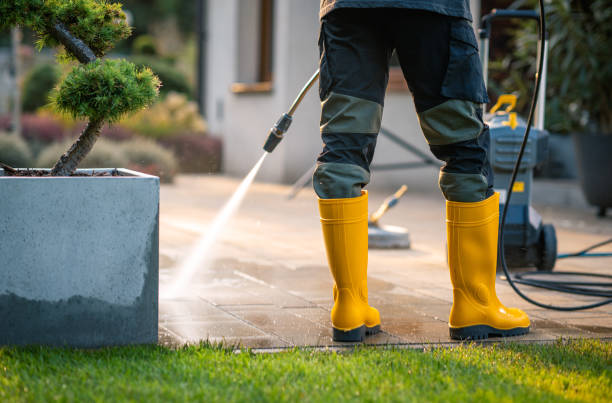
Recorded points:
(79, 259)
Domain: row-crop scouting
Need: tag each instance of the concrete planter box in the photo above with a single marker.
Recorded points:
(79, 259)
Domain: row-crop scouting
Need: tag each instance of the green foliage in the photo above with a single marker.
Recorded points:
(103, 90)
(14, 151)
(564, 371)
(38, 85)
(579, 95)
(31, 13)
(144, 45)
(170, 117)
(149, 157)
(98, 23)
(106, 90)
(153, 11)
(172, 79)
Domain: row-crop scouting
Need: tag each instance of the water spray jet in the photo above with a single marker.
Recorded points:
(200, 253)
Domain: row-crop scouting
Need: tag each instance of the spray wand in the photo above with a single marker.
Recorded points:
(278, 131)
(387, 204)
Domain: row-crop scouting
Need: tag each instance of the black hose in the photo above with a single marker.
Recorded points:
(553, 285)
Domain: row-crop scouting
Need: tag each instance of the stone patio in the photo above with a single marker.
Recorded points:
(266, 284)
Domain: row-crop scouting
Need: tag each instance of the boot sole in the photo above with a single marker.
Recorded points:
(480, 332)
(355, 335)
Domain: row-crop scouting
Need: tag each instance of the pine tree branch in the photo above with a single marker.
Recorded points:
(73, 44)
(68, 162)
(7, 168)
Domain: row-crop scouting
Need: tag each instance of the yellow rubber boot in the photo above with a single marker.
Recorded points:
(477, 313)
(345, 231)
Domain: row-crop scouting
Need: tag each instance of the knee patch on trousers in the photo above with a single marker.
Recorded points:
(339, 181)
(451, 122)
(347, 114)
(349, 127)
(457, 135)
(462, 187)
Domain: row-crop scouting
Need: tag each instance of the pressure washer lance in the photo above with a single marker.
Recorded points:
(387, 236)
(277, 133)
(389, 202)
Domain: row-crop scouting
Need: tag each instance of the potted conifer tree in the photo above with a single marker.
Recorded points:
(79, 248)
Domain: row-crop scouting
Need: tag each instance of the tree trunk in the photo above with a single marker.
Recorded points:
(68, 162)
(73, 44)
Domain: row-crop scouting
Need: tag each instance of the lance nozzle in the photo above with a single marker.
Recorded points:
(277, 132)
(282, 125)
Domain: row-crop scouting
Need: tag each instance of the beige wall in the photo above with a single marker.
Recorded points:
(244, 119)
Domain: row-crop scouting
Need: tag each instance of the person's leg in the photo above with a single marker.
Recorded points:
(354, 73)
(354, 64)
(439, 58)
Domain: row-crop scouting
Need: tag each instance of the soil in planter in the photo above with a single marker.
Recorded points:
(8, 171)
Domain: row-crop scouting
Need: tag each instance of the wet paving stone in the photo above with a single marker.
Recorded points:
(267, 284)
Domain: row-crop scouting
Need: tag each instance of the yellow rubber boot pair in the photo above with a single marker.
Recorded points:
(477, 313)
(345, 231)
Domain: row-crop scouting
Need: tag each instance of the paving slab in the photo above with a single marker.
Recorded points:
(264, 283)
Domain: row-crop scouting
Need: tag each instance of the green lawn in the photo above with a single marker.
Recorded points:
(576, 370)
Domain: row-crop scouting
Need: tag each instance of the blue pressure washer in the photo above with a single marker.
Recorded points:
(528, 242)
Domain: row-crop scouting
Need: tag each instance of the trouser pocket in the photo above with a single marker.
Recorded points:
(325, 76)
(463, 78)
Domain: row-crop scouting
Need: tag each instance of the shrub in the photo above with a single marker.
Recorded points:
(41, 128)
(196, 152)
(106, 89)
(172, 116)
(116, 132)
(144, 45)
(149, 157)
(172, 79)
(14, 151)
(106, 154)
(38, 85)
(5, 123)
(38, 130)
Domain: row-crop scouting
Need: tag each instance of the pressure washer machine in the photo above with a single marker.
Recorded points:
(528, 241)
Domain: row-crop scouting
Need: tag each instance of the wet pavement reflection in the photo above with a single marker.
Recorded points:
(268, 286)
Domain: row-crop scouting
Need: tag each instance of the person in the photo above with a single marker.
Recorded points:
(438, 55)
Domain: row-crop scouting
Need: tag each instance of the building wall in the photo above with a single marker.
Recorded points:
(243, 120)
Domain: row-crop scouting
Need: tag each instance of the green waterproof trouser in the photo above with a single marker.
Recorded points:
(439, 59)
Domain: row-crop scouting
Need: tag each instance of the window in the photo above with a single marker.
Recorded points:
(255, 43)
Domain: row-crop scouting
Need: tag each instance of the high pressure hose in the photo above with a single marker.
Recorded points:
(567, 287)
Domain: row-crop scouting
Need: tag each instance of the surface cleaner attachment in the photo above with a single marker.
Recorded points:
(387, 236)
